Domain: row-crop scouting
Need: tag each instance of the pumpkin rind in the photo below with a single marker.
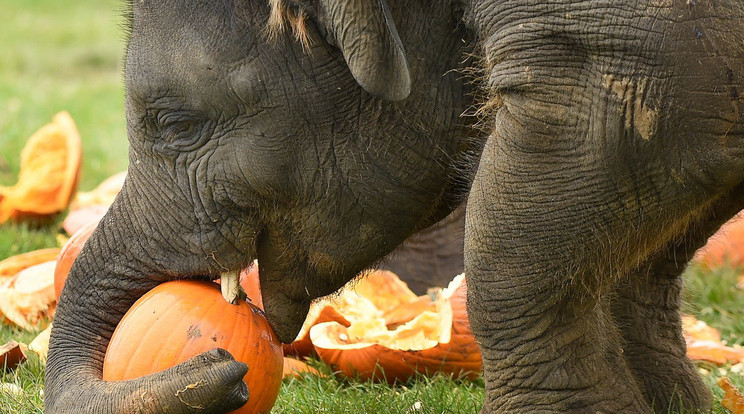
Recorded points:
(181, 319)
(14, 264)
(27, 299)
(69, 253)
(50, 168)
(375, 356)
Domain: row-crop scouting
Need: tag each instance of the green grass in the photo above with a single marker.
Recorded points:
(63, 55)
(67, 55)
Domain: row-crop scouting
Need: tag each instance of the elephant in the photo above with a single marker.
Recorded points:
(594, 145)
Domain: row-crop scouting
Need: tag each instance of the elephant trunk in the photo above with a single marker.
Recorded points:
(106, 279)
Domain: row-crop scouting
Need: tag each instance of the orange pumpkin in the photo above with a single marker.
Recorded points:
(50, 166)
(439, 341)
(726, 246)
(295, 368)
(69, 253)
(181, 319)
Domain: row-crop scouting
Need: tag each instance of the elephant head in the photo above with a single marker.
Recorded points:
(317, 157)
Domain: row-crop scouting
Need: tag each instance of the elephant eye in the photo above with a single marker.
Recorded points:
(177, 130)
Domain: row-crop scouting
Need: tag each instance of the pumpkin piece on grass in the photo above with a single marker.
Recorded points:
(733, 399)
(432, 342)
(103, 195)
(79, 218)
(40, 344)
(295, 368)
(27, 300)
(181, 319)
(704, 343)
(50, 166)
(714, 351)
(69, 253)
(14, 264)
(11, 354)
(697, 330)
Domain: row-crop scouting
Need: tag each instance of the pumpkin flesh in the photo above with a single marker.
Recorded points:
(433, 341)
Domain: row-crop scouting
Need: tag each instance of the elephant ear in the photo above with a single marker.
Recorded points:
(365, 33)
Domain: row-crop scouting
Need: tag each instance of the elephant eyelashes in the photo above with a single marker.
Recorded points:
(178, 130)
(174, 131)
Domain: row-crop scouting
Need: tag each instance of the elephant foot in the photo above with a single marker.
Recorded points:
(647, 315)
(669, 381)
(575, 365)
(613, 395)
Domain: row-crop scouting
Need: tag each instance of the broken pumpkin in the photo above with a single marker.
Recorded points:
(704, 343)
(27, 300)
(93, 205)
(11, 354)
(14, 264)
(433, 341)
(50, 166)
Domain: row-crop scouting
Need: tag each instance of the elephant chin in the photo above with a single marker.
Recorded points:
(285, 315)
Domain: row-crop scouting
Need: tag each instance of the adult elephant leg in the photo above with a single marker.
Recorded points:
(646, 309)
(431, 257)
(536, 233)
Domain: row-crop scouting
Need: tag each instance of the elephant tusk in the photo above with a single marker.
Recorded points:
(230, 286)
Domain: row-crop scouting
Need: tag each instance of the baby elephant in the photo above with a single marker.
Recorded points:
(595, 143)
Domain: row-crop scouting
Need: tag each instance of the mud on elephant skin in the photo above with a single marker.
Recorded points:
(610, 144)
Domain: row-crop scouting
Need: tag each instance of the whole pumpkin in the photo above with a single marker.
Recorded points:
(180, 319)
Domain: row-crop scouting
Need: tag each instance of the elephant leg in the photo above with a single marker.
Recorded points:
(539, 279)
(646, 309)
(647, 313)
(431, 257)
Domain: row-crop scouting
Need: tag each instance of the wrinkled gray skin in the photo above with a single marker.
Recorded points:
(615, 146)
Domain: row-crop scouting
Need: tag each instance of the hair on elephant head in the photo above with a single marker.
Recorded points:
(364, 32)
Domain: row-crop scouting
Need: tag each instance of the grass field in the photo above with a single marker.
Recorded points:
(67, 55)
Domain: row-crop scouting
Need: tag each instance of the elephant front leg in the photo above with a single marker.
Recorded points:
(538, 243)
(646, 309)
